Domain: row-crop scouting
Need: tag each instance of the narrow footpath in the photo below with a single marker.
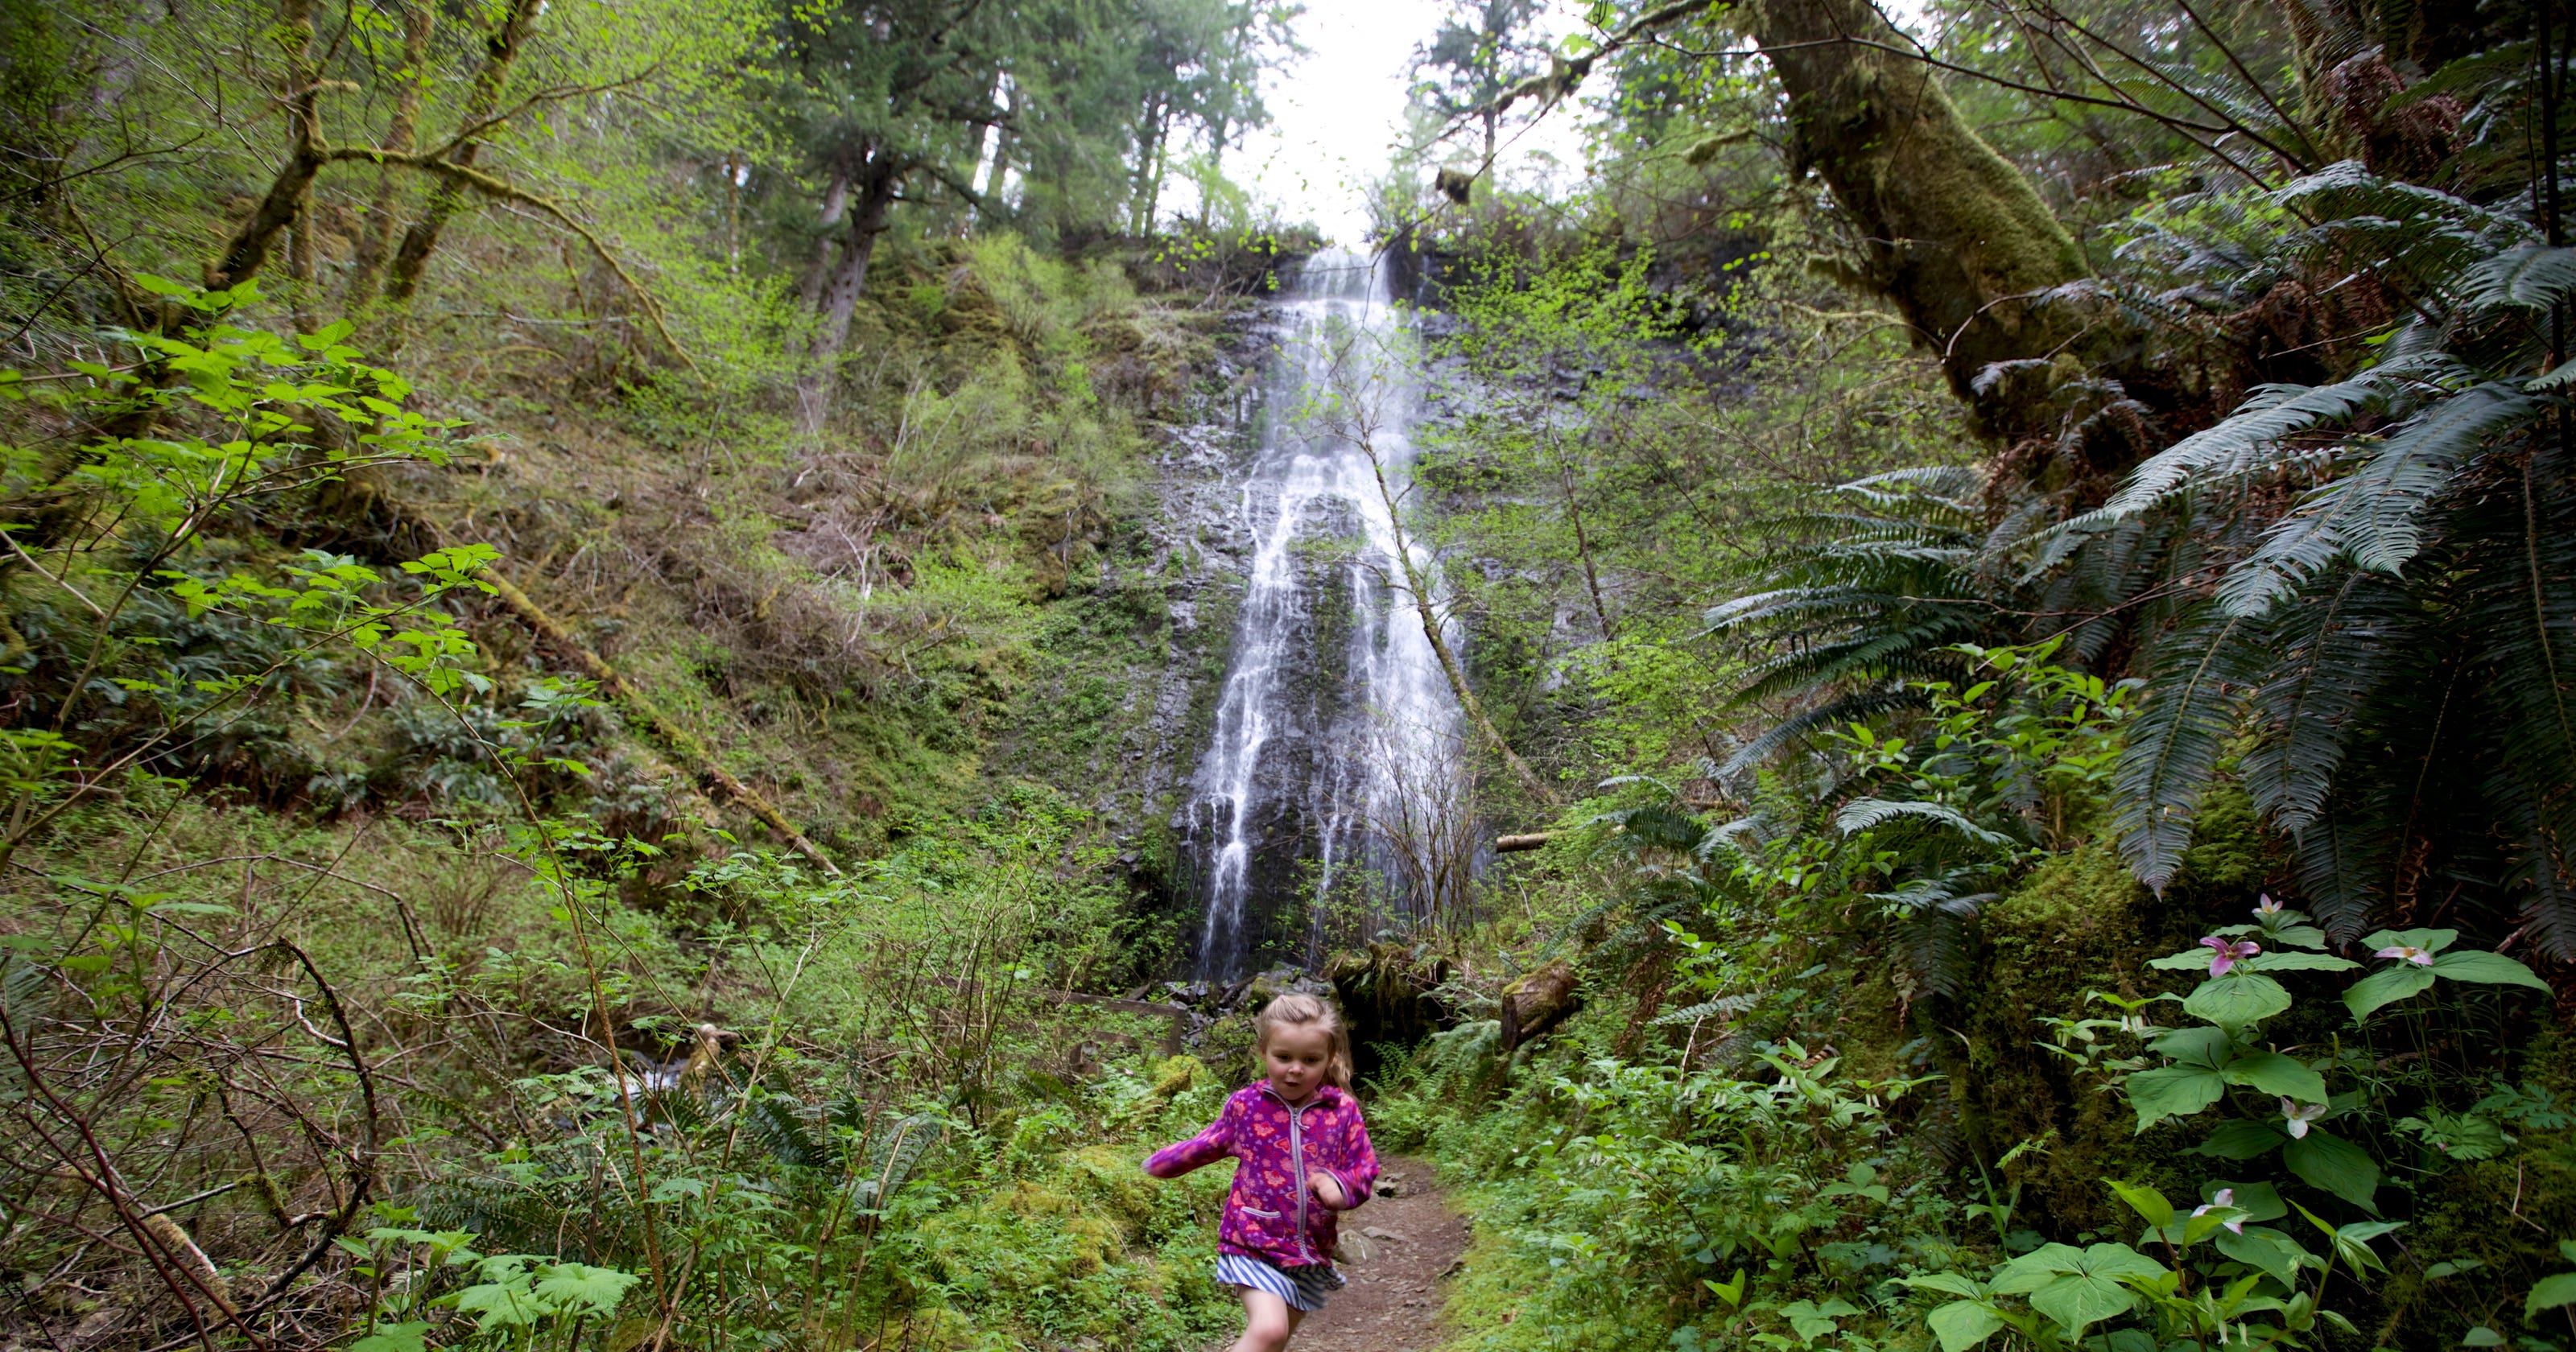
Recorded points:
(1395, 1253)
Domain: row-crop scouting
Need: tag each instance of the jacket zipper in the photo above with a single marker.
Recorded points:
(1297, 1169)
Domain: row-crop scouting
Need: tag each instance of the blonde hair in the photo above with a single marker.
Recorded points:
(1299, 1010)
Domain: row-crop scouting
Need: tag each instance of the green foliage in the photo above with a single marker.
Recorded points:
(2398, 549)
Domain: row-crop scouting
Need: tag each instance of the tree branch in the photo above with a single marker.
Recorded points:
(466, 176)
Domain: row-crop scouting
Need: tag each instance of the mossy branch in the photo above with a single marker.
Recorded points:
(466, 176)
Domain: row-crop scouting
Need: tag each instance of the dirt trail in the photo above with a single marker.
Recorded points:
(1395, 1251)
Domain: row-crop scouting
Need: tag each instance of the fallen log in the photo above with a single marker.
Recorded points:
(1529, 841)
(651, 716)
(1537, 1002)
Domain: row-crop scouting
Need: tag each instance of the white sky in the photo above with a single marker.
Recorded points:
(1337, 113)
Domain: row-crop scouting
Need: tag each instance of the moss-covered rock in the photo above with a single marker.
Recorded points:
(2079, 923)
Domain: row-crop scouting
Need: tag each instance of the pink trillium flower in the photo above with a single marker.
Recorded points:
(2225, 1197)
(2297, 1116)
(2228, 955)
(2421, 957)
(2267, 908)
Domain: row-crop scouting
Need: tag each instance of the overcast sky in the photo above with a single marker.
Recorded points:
(1338, 111)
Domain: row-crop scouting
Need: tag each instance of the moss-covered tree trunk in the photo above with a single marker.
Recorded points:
(1953, 233)
(501, 50)
(872, 192)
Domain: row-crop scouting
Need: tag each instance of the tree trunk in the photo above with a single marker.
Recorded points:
(500, 52)
(299, 268)
(1154, 184)
(1149, 148)
(301, 93)
(836, 203)
(880, 174)
(367, 271)
(1955, 235)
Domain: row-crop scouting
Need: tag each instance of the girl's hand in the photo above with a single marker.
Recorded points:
(1326, 1188)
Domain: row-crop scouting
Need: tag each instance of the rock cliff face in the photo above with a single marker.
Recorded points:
(1243, 691)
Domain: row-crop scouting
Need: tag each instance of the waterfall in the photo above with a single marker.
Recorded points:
(1335, 718)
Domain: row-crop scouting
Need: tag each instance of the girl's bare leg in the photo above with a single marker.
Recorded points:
(1267, 1322)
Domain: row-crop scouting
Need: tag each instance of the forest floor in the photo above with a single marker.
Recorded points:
(1395, 1250)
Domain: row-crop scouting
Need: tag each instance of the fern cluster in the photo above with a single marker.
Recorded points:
(2396, 643)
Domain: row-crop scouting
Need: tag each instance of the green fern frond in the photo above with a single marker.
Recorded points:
(2192, 704)
(2271, 414)
(2340, 863)
(2416, 464)
(1799, 727)
(1864, 814)
(2529, 276)
(2332, 652)
(2523, 601)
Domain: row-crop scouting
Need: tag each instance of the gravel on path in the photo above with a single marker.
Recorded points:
(1395, 1253)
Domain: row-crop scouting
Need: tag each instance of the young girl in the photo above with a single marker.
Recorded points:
(1305, 1159)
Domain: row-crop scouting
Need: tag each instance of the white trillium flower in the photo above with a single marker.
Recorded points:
(2421, 957)
(2226, 1197)
(2296, 1116)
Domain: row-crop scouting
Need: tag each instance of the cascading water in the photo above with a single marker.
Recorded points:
(1335, 720)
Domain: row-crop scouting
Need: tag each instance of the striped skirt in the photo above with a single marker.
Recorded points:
(1304, 1287)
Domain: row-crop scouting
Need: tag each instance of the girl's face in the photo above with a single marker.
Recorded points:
(1295, 1059)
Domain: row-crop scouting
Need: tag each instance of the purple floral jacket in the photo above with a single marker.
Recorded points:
(1272, 1214)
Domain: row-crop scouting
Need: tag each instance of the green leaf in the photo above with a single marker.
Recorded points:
(2492, 969)
(1864, 813)
(2558, 375)
(410, 1337)
(1948, 1283)
(2203, 1047)
(2386, 987)
(2036, 1269)
(2551, 1293)
(1811, 1321)
(2297, 936)
(2195, 697)
(2176, 1091)
(2078, 1301)
(597, 1289)
(2274, 1073)
(1962, 1324)
(2268, 1249)
(2237, 999)
(2240, 1139)
(673, 1189)
(2298, 962)
(2260, 1201)
(501, 1304)
(2353, 1242)
(2482, 1336)
(2327, 1161)
(2146, 1202)
(2430, 940)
